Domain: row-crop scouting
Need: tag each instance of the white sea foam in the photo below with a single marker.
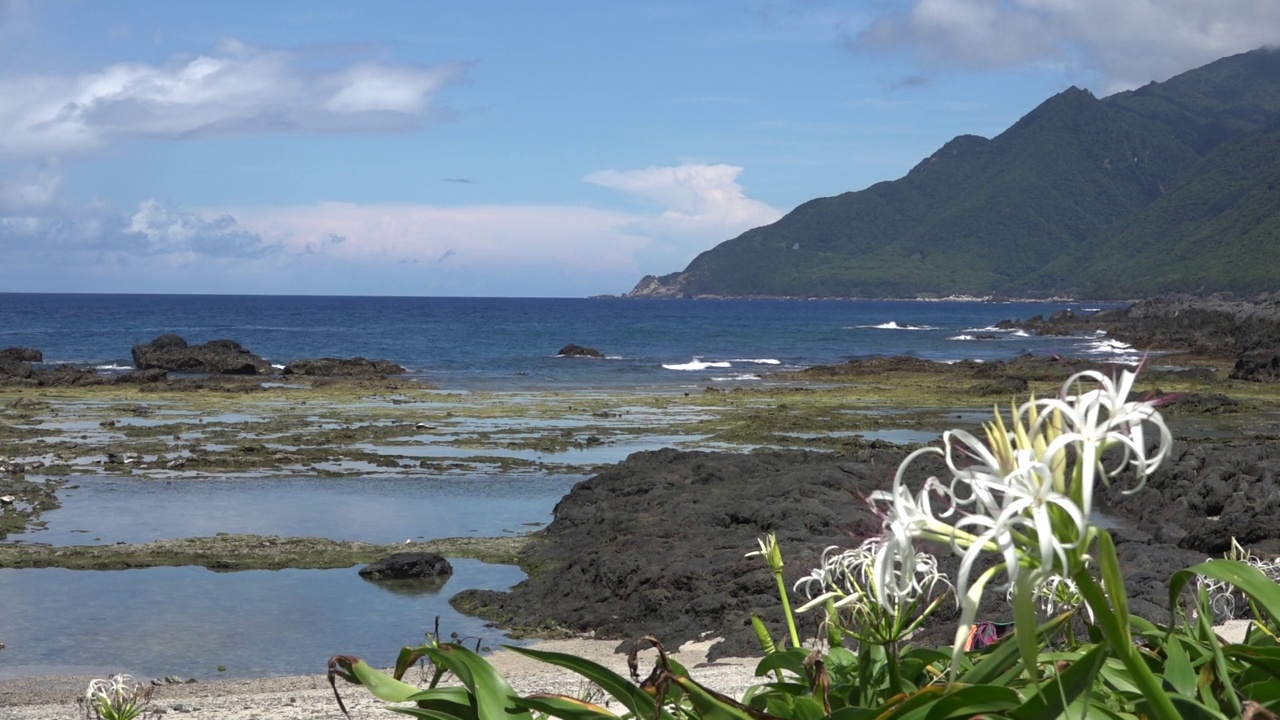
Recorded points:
(989, 329)
(962, 337)
(277, 366)
(1021, 333)
(1108, 346)
(892, 325)
(697, 364)
(739, 376)
(758, 361)
(112, 367)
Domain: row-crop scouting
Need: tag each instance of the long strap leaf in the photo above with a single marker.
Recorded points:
(621, 689)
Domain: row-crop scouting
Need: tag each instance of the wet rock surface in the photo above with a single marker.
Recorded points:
(657, 543)
(29, 499)
(22, 354)
(406, 565)
(572, 350)
(343, 367)
(220, 357)
(1215, 326)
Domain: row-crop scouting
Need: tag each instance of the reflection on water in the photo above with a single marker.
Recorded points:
(104, 509)
(188, 621)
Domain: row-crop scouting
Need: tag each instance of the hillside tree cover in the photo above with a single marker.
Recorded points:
(1170, 187)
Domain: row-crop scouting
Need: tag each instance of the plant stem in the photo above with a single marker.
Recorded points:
(1158, 701)
(786, 609)
(891, 658)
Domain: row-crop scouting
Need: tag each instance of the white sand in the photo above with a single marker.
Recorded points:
(309, 696)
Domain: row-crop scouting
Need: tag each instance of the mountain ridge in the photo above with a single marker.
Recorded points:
(1076, 198)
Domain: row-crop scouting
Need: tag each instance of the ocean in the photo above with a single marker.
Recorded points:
(511, 343)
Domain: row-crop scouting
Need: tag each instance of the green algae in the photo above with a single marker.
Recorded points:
(227, 552)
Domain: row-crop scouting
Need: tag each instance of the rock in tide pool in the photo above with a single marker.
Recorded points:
(405, 565)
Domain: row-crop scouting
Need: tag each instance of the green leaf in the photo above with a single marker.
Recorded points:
(790, 660)
(1056, 693)
(1190, 709)
(424, 713)
(711, 705)
(1178, 673)
(1252, 582)
(973, 700)
(619, 688)
(1265, 659)
(491, 692)
(382, 685)
(564, 707)
(762, 634)
(1024, 617)
(1113, 581)
(853, 713)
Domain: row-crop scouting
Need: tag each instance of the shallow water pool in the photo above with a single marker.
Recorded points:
(188, 621)
(100, 509)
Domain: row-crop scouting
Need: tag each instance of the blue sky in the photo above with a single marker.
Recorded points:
(506, 148)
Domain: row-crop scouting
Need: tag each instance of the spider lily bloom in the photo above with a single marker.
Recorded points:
(846, 579)
(1025, 492)
(118, 697)
(1057, 593)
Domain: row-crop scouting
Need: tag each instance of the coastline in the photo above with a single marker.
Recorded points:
(301, 697)
(309, 696)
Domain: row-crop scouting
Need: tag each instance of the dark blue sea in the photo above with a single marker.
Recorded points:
(512, 343)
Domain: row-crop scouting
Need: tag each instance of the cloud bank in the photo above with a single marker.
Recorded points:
(234, 90)
(348, 248)
(1129, 42)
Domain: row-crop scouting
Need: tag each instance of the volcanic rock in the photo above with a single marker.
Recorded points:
(405, 565)
(141, 377)
(1258, 366)
(656, 544)
(572, 350)
(21, 354)
(172, 353)
(344, 367)
(14, 369)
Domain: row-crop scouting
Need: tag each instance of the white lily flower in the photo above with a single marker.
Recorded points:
(1026, 493)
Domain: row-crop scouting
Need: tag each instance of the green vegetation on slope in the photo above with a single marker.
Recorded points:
(1145, 191)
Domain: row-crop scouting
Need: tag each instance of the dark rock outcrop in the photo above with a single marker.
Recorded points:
(1258, 365)
(407, 565)
(656, 544)
(21, 354)
(141, 377)
(11, 369)
(68, 376)
(343, 367)
(217, 357)
(572, 350)
(1215, 326)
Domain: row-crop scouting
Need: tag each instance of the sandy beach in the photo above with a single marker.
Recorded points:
(309, 696)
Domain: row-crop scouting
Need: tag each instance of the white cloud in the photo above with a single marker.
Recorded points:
(1129, 42)
(234, 90)
(701, 202)
(390, 248)
(32, 189)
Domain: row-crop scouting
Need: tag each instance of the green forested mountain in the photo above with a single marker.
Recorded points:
(1169, 187)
